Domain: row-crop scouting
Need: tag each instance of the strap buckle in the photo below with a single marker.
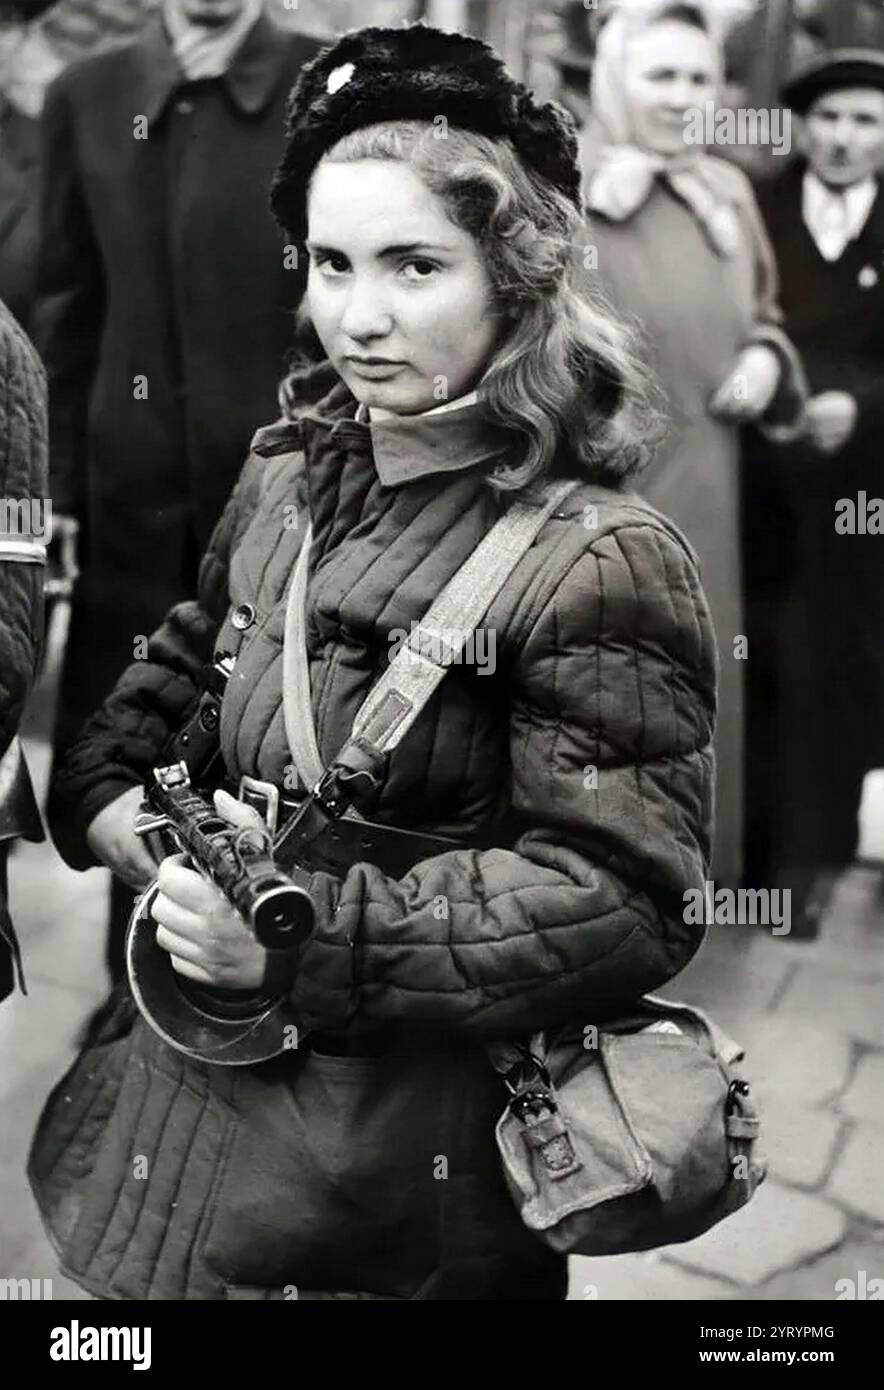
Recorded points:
(264, 797)
(352, 777)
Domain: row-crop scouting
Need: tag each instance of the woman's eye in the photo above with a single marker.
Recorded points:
(419, 269)
(331, 263)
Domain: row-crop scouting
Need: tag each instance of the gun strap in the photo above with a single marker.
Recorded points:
(437, 641)
(421, 663)
(297, 706)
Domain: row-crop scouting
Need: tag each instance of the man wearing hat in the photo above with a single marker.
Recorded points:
(163, 314)
(28, 62)
(816, 567)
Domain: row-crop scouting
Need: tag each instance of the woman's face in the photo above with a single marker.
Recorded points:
(399, 295)
(670, 68)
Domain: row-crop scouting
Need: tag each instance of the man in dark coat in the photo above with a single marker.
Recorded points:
(163, 311)
(28, 62)
(816, 564)
(23, 534)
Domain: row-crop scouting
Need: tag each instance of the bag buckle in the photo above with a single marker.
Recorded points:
(544, 1128)
(531, 1088)
(531, 1104)
(737, 1098)
(741, 1120)
(528, 1068)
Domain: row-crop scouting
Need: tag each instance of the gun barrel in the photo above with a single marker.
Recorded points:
(282, 916)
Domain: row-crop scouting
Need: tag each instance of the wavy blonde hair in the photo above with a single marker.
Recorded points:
(566, 380)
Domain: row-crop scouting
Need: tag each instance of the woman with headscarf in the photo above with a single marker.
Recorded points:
(679, 247)
(572, 783)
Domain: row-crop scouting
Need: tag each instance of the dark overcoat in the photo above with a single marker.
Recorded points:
(816, 593)
(23, 454)
(19, 212)
(163, 317)
(563, 898)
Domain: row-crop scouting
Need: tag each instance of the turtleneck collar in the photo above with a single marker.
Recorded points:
(405, 448)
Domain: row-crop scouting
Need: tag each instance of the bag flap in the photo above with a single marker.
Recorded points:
(610, 1163)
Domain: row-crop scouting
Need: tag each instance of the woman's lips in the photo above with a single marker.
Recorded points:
(377, 370)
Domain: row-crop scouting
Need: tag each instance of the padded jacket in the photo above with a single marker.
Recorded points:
(577, 777)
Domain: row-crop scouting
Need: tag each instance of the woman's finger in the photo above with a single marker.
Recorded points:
(237, 812)
(181, 920)
(186, 887)
(181, 946)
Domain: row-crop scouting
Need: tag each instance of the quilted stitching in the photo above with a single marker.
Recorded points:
(605, 659)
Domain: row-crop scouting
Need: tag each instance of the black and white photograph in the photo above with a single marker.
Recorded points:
(442, 665)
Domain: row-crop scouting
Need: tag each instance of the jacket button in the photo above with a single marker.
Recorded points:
(243, 616)
(184, 107)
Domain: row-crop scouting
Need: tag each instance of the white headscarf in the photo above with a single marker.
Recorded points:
(624, 173)
(203, 51)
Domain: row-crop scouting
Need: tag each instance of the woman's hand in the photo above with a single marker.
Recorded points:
(207, 938)
(750, 386)
(111, 838)
(831, 419)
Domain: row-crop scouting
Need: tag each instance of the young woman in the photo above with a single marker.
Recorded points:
(439, 205)
(680, 248)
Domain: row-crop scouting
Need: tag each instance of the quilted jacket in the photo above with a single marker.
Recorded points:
(583, 759)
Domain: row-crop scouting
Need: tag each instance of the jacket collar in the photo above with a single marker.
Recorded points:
(250, 80)
(411, 446)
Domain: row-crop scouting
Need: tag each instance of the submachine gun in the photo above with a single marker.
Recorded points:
(263, 871)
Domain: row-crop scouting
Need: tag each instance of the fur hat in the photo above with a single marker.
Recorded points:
(415, 73)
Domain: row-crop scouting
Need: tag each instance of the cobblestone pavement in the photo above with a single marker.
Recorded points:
(810, 1015)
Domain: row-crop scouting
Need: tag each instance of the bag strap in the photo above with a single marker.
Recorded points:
(422, 662)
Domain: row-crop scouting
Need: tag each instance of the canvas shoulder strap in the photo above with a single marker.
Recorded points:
(433, 646)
